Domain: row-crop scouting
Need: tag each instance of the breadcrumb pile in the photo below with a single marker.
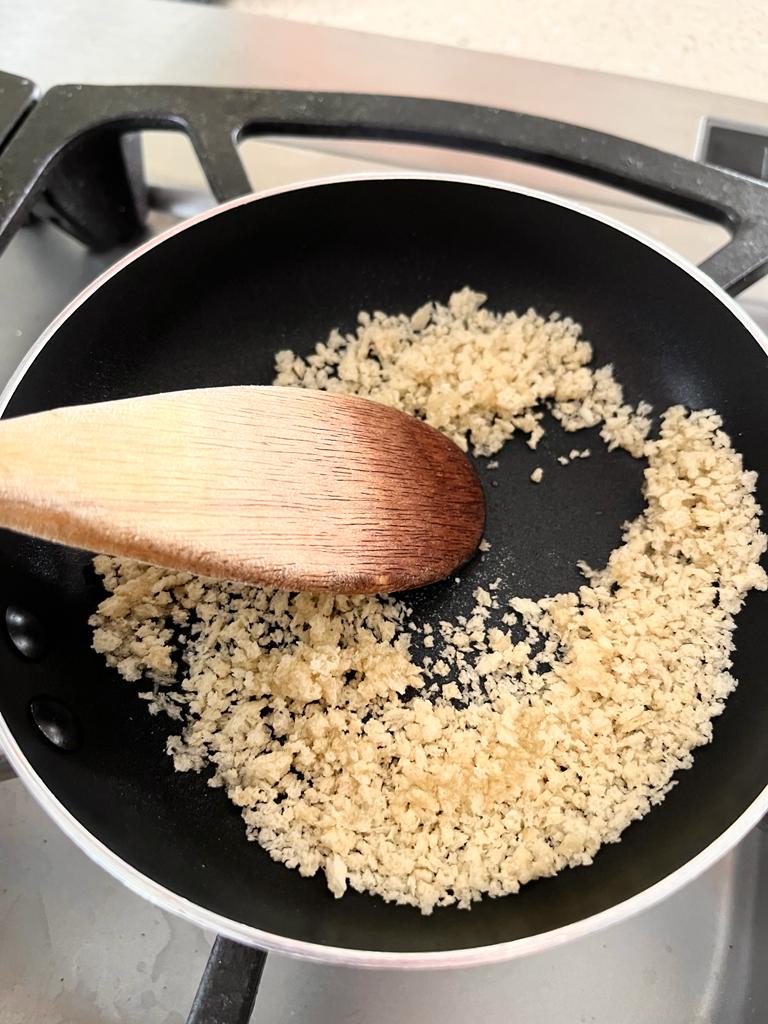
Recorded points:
(530, 732)
(475, 375)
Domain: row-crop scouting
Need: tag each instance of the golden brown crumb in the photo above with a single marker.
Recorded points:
(475, 375)
(535, 731)
(537, 475)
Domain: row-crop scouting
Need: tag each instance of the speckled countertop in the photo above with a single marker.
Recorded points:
(706, 44)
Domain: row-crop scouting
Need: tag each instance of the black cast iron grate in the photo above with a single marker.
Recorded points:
(72, 157)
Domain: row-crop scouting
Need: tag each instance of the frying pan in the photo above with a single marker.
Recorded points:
(209, 304)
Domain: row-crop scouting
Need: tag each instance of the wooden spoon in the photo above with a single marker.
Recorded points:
(301, 489)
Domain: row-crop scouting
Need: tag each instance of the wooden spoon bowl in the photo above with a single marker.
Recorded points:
(301, 489)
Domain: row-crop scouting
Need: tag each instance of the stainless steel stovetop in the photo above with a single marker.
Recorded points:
(74, 945)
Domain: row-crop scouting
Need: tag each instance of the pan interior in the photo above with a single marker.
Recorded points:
(211, 306)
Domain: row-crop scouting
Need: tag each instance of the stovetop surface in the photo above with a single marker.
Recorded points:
(74, 944)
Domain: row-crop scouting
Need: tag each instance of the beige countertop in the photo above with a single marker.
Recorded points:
(706, 44)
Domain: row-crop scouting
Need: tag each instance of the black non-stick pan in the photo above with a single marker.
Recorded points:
(210, 304)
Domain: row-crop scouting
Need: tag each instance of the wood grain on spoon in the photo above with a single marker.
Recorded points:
(296, 488)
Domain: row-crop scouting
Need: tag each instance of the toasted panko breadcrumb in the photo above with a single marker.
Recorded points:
(475, 375)
(533, 731)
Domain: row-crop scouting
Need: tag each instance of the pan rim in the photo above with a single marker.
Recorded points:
(145, 887)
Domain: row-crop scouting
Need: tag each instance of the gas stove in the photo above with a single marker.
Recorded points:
(74, 944)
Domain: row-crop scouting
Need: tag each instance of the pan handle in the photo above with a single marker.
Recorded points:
(230, 982)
